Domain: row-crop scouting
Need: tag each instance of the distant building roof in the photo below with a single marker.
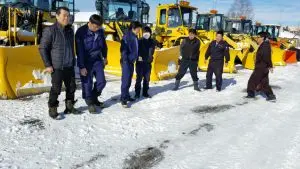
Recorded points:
(83, 16)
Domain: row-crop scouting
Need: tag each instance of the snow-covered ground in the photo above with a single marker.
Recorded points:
(173, 130)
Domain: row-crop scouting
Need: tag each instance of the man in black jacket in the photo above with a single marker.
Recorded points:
(57, 51)
(259, 79)
(189, 57)
(217, 50)
(143, 63)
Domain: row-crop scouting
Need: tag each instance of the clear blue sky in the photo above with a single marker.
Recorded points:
(285, 12)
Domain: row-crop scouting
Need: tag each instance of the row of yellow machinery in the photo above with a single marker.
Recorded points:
(21, 24)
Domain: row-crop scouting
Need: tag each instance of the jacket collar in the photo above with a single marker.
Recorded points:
(61, 27)
(131, 33)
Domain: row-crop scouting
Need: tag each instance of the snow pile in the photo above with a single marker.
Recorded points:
(38, 75)
(173, 130)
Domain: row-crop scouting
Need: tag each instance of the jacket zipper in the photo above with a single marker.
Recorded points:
(62, 66)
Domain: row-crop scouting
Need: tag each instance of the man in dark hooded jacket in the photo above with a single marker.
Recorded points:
(263, 64)
(189, 57)
(143, 63)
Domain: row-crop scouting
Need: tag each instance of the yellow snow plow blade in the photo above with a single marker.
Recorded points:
(227, 69)
(278, 56)
(164, 64)
(114, 66)
(21, 72)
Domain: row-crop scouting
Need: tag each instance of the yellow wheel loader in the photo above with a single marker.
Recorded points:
(21, 67)
(118, 15)
(282, 47)
(173, 21)
(238, 35)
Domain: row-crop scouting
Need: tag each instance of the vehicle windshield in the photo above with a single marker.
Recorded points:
(121, 11)
(216, 23)
(273, 31)
(210, 22)
(187, 16)
(247, 27)
(202, 22)
(174, 18)
(233, 26)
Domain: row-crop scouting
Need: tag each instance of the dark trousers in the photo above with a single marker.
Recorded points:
(127, 73)
(259, 80)
(67, 75)
(188, 64)
(143, 72)
(215, 67)
(90, 90)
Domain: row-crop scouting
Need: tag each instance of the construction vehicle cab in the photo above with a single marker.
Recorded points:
(208, 24)
(123, 10)
(238, 26)
(173, 21)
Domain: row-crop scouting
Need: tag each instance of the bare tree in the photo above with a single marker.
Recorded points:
(241, 8)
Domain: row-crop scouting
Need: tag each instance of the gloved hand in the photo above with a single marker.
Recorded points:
(179, 60)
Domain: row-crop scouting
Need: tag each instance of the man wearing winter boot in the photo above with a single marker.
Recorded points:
(129, 54)
(57, 51)
(91, 49)
(263, 64)
(217, 50)
(143, 63)
(189, 57)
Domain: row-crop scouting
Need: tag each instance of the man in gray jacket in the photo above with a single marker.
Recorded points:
(57, 51)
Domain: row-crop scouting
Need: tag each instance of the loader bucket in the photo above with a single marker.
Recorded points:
(231, 65)
(278, 56)
(21, 72)
(249, 60)
(113, 58)
(290, 56)
(164, 64)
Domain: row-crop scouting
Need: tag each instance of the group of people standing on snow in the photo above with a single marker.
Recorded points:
(57, 51)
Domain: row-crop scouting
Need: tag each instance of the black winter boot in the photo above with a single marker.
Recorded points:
(53, 112)
(70, 108)
(271, 97)
(91, 106)
(196, 86)
(177, 83)
(251, 95)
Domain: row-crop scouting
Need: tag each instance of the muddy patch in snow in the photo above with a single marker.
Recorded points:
(242, 103)
(33, 124)
(164, 144)
(212, 109)
(276, 87)
(92, 160)
(206, 126)
(144, 158)
(28, 98)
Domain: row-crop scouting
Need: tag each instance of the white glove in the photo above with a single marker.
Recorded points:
(140, 59)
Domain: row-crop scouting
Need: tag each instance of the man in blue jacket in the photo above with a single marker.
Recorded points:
(129, 54)
(91, 49)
